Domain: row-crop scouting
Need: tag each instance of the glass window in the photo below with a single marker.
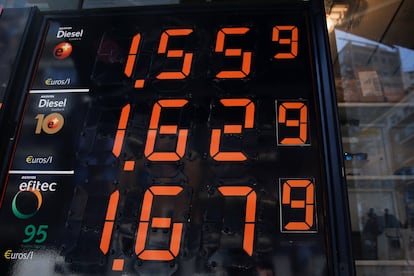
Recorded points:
(41, 4)
(374, 66)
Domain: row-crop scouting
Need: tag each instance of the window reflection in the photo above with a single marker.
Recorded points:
(81, 4)
(374, 81)
(41, 4)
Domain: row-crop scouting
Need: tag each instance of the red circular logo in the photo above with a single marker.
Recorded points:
(53, 123)
(62, 50)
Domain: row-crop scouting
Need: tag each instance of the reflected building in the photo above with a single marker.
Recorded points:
(369, 71)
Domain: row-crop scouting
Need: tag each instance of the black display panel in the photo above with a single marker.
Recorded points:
(13, 29)
(172, 142)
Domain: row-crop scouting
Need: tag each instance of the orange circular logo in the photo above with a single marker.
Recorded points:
(62, 50)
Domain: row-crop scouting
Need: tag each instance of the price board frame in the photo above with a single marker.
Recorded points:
(176, 140)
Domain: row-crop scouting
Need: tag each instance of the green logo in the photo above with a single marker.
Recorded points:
(21, 215)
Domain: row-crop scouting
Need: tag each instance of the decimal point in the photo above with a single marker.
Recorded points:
(118, 265)
(129, 166)
(139, 83)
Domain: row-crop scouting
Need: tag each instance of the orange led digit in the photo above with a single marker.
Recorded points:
(245, 56)
(229, 129)
(120, 133)
(155, 128)
(132, 55)
(109, 222)
(302, 123)
(250, 213)
(129, 66)
(307, 204)
(188, 57)
(157, 222)
(292, 41)
(249, 117)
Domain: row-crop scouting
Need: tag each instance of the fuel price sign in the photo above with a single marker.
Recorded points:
(177, 141)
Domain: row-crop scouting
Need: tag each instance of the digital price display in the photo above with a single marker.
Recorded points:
(172, 142)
